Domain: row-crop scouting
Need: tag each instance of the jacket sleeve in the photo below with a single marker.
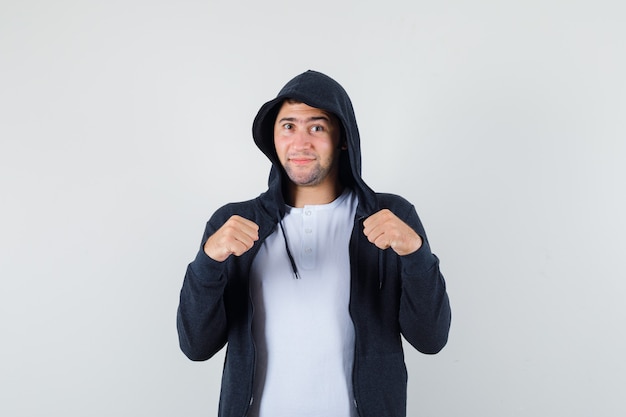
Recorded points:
(424, 305)
(201, 316)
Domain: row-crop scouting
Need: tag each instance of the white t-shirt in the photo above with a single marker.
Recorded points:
(303, 333)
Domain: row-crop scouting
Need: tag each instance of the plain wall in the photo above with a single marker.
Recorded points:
(125, 124)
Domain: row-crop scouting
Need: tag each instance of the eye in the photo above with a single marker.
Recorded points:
(317, 128)
(287, 126)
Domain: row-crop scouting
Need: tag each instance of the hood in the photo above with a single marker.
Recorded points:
(316, 90)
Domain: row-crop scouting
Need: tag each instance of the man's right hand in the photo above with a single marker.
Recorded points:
(235, 237)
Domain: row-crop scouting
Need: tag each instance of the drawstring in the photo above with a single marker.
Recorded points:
(294, 267)
(381, 269)
(293, 262)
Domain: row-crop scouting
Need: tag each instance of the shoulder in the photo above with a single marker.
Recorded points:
(256, 209)
(247, 208)
(393, 201)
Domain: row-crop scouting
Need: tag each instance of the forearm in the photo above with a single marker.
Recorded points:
(424, 306)
(201, 317)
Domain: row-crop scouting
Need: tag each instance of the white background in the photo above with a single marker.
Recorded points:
(125, 124)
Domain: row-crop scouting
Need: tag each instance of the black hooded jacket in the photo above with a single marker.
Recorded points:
(390, 295)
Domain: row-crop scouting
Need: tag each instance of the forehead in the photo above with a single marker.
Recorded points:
(293, 109)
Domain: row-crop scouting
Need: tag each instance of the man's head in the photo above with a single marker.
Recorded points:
(318, 91)
(308, 142)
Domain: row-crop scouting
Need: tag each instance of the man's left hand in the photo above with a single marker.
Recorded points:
(385, 230)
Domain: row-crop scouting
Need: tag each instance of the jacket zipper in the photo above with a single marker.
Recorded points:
(251, 385)
(353, 251)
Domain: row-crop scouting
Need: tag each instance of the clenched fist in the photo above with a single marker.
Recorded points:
(235, 237)
(385, 230)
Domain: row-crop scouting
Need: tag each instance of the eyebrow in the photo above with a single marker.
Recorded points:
(310, 119)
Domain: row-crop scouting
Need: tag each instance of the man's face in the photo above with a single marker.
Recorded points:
(307, 143)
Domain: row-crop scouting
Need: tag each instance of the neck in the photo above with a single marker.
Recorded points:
(300, 196)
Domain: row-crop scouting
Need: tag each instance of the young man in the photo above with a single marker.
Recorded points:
(312, 283)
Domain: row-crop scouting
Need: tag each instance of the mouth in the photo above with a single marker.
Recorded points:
(299, 160)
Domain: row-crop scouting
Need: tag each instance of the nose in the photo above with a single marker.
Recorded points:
(301, 140)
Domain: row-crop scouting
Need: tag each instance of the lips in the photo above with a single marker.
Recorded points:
(301, 160)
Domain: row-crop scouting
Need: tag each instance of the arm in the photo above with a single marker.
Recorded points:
(424, 306)
(201, 318)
